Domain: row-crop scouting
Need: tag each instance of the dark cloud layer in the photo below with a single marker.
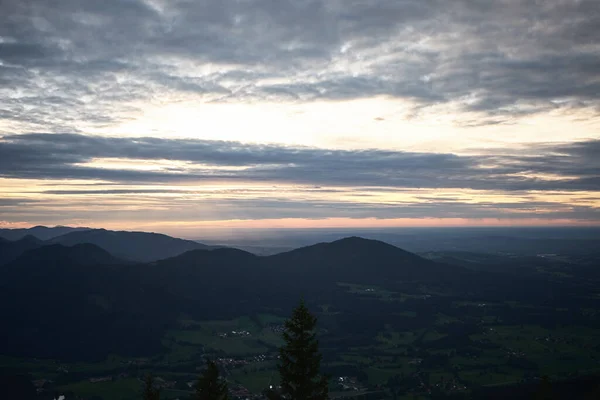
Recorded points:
(68, 64)
(64, 61)
(571, 167)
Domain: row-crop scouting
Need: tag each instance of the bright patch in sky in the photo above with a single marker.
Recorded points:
(178, 116)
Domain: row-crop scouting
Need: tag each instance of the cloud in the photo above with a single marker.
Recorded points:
(115, 191)
(71, 66)
(105, 209)
(64, 61)
(16, 202)
(571, 167)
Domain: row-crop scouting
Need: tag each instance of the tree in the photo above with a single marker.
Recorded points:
(150, 391)
(544, 390)
(300, 360)
(209, 386)
(17, 386)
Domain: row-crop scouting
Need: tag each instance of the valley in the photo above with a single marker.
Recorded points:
(391, 324)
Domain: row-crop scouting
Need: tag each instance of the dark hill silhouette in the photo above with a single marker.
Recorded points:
(55, 254)
(347, 249)
(128, 308)
(10, 250)
(79, 302)
(220, 255)
(204, 278)
(133, 246)
(215, 271)
(351, 258)
(40, 232)
(358, 260)
(230, 277)
(31, 239)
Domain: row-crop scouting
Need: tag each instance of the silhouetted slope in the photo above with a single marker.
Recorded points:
(80, 302)
(230, 276)
(355, 259)
(31, 239)
(40, 232)
(134, 246)
(221, 256)
(216, 283)
(73, 303)
(9, 250)
(81, 254)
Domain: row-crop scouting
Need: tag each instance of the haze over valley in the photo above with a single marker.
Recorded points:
(88, 312)
(299, 199)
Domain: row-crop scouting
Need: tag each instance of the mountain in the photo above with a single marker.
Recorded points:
(133, 246)
(56, 254)
(372, 300)
(10, 250)
(352, 259)
(348, 248)
(215, 284)
(241, 282)
(75, 303)
(129, 307)
(40, 232)
(358, 260)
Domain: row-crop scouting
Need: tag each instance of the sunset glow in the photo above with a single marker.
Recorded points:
(157, 116)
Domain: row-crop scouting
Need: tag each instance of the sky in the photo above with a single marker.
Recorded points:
(180, 116)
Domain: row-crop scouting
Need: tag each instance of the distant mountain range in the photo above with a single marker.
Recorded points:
(40, 232)
(86, 294)
(501, 241)
(11, 250)
(130, 246)
(113, 306)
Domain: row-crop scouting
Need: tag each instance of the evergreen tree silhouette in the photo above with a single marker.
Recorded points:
(209, 386)
(150, 392)
(300, 360)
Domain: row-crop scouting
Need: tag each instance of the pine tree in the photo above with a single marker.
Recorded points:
(300, 360)
(150, 391)
(209, 386)
(544, 390)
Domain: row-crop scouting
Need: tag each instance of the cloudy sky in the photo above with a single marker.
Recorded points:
(179, 116)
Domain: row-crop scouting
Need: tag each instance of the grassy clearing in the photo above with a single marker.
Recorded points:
(397, 339)
(219, 336)
(270, 319)
(432, 335)
(442, 319)
(124, 389)
(482, 378)
(368, 290)
(380, 376)
(436, 377)
(178, 353)
(355, 358)
(257, 381)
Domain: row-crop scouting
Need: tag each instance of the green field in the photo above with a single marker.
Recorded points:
(491, 353)
(124, 389)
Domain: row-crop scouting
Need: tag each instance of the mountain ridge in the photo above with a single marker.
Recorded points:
(132, 245)
(120, 300)
(84, 254)
(11, 250)
(39, 231)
